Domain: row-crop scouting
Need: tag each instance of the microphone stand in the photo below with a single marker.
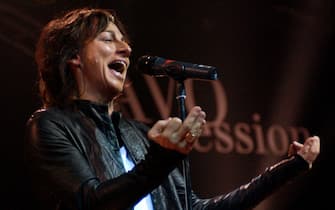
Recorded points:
(181, 95)
(179, 71)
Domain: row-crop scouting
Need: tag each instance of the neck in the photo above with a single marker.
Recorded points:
(109, 103)
(110, 107)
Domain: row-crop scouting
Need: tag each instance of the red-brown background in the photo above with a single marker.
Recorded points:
(274, 58)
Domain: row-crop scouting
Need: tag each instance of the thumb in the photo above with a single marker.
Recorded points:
(157, 128)
(294, 147)
(297, 146)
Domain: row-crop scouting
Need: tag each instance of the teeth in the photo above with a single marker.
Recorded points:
(121, 62)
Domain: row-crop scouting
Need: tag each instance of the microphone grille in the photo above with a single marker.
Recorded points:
(144, 64)
(151, 65)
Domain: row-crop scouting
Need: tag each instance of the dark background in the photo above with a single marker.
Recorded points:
(275, 57)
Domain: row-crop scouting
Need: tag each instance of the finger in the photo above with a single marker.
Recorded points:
(171, 129)
(193, 121)
(193, 135)
(190, 137)
(312, 140)
(196, 129)
(311, 145)
(157, 128)
(296, 145)
(192, 116)
(310, 150)
(199, 122)
(294, 148)
(315, 144)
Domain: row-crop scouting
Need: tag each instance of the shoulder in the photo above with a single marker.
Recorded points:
(46, 116)
(49, 127)
(53, 119)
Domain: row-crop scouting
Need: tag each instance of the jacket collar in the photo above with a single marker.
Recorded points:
(133, 139)
(97, 112)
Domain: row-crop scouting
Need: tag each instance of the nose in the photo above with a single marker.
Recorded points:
(123, 49)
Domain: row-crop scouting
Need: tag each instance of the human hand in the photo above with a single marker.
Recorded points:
(309, 151)
(176, 135)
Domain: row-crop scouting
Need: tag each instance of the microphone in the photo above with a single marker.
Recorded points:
(161, 67)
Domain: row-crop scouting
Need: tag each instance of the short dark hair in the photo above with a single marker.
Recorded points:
(62, 39)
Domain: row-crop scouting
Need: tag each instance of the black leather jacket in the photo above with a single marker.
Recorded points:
(73, 162)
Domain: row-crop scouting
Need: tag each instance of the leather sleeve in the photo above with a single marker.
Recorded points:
(65, 179)
(251, 194)
(56, 166)
(126, 190)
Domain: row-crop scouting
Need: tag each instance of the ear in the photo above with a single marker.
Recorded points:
(75, 63)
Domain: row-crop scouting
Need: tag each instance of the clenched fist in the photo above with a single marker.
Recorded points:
(308, 151)
(176, 135)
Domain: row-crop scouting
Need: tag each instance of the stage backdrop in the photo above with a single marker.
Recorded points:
(274, 61)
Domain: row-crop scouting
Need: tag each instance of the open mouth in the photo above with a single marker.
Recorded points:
(118, 65)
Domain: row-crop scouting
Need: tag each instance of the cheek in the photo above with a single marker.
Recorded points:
(107, 50)
(90, 58)
(92, 62)
(99, 50)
